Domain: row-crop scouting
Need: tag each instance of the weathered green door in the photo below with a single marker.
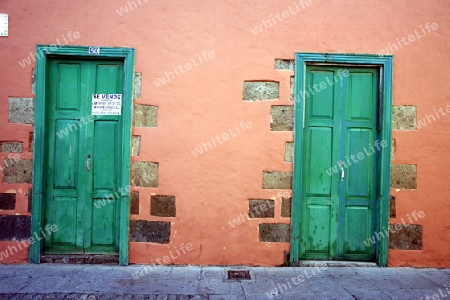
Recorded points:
(82, 156)
(340, 163)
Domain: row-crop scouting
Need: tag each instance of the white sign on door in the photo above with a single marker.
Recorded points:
(3, 25)
(106, 104)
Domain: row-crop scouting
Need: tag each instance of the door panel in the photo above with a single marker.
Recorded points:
(338, 207)
(68, 96)
(105, 162)
(361, 96)
(321, 140)
(74, 135)
(66, 155)
(322, 103)
(63, 211)
(319, 227)
(103, 224)
(359, 174)
(357, 222)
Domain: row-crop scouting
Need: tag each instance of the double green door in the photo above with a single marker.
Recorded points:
(82, 156)
(340, 163)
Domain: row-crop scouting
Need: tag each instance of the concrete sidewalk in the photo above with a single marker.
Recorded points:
(88, 282)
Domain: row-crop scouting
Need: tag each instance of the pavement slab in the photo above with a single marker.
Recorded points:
(440, 278)
(357, 293)
(217, 273)
(47, 284)
(219, 287)
(95, 282)
(14, 284)
(252, 287)
(9, 269)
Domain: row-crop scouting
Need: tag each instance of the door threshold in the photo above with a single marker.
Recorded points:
(334, 263)
(90, 259)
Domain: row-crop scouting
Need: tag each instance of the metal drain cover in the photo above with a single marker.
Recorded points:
(239, 275)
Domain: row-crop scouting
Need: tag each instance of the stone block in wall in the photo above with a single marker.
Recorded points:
(393, 148)
(30, 199)
(403, 117)
(288, 151)
(7, 201)
(135, 145)
(11, 147)
(392, 211)
(274, 232)
(163, 206)
(33, 81)
(13, 227)
(150, 231)
(144, 174)
(292, 89)
(277, 180)
(261, 208)
(145, 116)
(261, 90)
(21, 110)
(134, 203)
(282, 118)
(286, 207)
(403, 176)
(31, 141)
(20, 171)
(137, 85)
(285, 64)
(405, 236)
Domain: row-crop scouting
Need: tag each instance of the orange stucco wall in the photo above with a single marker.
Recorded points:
(214, 188)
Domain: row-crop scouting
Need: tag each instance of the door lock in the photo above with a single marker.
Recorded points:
(342, 173)
(88, 163)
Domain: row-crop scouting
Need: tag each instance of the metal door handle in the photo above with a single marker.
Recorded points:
(342, 173)
(88, 163)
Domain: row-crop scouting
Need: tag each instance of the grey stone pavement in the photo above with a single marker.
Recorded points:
(89, 282)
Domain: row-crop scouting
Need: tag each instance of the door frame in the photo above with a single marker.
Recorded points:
(385, 64)
(43, 53)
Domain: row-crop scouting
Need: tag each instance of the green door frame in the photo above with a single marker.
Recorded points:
(385, 63)
(43, 52)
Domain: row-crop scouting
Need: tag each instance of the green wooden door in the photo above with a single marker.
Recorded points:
(82, 157)
(341, 154)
